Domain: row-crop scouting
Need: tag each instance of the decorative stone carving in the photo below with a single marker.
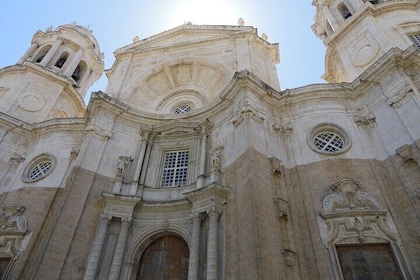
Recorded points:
(348, 197)
(215, 161)
(289, 257)
(407, 152)
(165, 225)
(74, 153)
(401, 98)
(122, 164)
(364, 119)
(282, 208)
(13, 229)
(353, 215)
(284, 129)
(15, 158)
(101, 134)
(13, 220)
(32, 102)
(246, 108)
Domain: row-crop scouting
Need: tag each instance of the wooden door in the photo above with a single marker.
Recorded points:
(166, 258)
(368, 262)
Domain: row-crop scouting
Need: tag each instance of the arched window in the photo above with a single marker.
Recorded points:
(60, 62)
(41, 54)
(79, 72)
(76, 73)
(165, 258)
(344, 11)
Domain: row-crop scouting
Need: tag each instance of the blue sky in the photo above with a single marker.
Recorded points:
(115, 23)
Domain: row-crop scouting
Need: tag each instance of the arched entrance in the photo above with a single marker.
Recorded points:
(166, 258)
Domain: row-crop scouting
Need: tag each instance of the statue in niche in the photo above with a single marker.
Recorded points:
(215, 162)
(13, 220)
(122, 164)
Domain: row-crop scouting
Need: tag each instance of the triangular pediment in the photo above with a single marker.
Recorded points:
(185, 34)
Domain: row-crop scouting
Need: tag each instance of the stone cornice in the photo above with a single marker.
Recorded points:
(59, 124)
(225, 32)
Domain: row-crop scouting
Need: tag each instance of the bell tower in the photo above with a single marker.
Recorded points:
(53, 76)
(357, 33)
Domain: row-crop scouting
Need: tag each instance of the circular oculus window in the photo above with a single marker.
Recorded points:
(329, 139)
(39, 168)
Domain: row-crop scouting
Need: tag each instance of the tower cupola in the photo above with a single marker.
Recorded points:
(70, 51)
(52, 77)
(357, 33)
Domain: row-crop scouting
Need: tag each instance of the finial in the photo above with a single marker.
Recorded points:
(48, 29)
(264, 36)
(241, 22)
(136, 39)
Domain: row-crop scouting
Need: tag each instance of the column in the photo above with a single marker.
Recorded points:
(194, 247)
(73, 63)
(202, 158)
(330, 17)
(93, 261)
(27, 53)
(139, 165)
(51, 52)
(146, 160)
(117, 259)
(212, 245)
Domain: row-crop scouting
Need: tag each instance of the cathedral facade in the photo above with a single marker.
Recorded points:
(194, 164)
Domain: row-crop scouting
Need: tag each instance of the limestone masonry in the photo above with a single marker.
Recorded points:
(194, 164)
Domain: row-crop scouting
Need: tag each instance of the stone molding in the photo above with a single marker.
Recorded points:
(246, 108)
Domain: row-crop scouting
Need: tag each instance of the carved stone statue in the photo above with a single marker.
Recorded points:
(216, 160)
(122, 164)
(13, 220)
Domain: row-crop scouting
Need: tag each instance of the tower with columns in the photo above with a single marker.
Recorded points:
(194, 164)
(53, 76)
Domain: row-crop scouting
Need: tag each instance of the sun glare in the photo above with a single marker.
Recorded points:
(204, 12)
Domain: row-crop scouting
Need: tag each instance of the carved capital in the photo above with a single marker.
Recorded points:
(99, 133)
(246, 108)
(126, 221)
(401, 98)
(364, 119)
(284, 129)
(407, 152)
(105, 218)
(15, 158)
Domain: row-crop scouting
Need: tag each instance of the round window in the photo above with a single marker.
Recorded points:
(183, 108)
(329, 139)
(39, 168)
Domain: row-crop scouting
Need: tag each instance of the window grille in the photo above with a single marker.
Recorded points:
(328, 142)
(40, 170)
(183, 108)
(175, 169)
(415, 39)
